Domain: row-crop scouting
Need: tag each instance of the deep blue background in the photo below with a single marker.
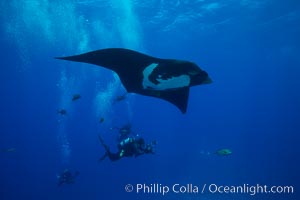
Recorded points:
(250, 49)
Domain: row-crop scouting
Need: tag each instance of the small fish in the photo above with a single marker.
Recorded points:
(62, 111)
(8, 150)
(101, 120)
(224, 152)
(76, 97)
(120, 98)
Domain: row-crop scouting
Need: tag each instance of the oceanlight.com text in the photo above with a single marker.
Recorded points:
(164, 189)
(250, 189)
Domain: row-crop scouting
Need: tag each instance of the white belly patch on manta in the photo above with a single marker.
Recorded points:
(164, 84)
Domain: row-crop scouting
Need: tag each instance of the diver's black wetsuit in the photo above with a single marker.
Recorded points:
(127, 148)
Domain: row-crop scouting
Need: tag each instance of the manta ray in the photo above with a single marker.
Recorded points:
(167, 79)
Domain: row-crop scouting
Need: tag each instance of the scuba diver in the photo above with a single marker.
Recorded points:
(128, 147)
(66, 177)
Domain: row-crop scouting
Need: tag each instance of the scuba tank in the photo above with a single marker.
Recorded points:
(126, 141)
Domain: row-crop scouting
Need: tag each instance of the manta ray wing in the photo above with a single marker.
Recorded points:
(128, 64)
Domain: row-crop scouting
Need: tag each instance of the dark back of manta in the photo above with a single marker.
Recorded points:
(130, 67)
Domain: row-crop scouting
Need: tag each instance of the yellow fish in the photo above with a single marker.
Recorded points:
(224, 152)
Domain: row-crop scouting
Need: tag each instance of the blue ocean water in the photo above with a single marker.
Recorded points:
(249, 48)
